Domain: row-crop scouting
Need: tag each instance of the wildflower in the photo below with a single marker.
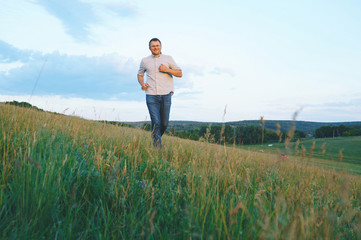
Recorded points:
(86, 146)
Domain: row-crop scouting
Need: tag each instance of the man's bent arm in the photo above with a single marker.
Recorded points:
(174, 72)
(140, 79)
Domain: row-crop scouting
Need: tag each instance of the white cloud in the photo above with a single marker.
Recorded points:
(6, 67)
(103, 77)
(87, 108)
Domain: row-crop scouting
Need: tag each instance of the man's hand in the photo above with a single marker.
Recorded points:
(164, 68)
(145, 86)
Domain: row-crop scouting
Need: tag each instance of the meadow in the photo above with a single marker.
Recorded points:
(338, 153)
(63, 177)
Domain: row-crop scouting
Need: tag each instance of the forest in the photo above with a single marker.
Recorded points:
(338, 131)
(253, 134)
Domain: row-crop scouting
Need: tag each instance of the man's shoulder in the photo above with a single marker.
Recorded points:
(147, 57)
(165, 56)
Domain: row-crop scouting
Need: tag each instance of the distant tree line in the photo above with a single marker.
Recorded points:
(23, 104)
(337, 131)
(255, 134)
(121, 124)
(231, 135)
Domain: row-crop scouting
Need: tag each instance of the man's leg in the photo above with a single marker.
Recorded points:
(154, 106)
(164, 112)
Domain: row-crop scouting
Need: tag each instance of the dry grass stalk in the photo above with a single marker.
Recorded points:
(278, 132)
(124, 172)
(303, 152)
(340, 156)
(297, 146)
(151, 222)
(311, 149)
(323, 148)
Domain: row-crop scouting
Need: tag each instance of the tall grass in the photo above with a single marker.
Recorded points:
(67, 178)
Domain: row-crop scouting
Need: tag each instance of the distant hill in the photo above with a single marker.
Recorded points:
(304, 126)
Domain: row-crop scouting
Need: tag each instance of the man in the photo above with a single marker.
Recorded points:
(159, 87)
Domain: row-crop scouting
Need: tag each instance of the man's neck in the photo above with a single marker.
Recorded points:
(157, 56)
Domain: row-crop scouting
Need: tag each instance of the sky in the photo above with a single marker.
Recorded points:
(241, 59)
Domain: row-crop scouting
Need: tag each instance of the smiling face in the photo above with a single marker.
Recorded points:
(155, 47)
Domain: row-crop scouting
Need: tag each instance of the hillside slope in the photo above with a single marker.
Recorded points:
(69, 178)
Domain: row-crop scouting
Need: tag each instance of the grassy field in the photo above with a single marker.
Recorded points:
(67, 178)
(338, 153)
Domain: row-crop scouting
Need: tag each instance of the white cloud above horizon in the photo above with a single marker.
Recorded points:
(259, 59)
(185, 109)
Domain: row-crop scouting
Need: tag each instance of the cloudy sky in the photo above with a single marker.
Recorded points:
(250, 58)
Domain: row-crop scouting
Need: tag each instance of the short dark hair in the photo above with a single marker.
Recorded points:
(155, 40)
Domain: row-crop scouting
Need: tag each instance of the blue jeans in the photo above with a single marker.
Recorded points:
(159, 108)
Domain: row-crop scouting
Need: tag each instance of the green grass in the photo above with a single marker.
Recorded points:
(68, 178)
(325, 151)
